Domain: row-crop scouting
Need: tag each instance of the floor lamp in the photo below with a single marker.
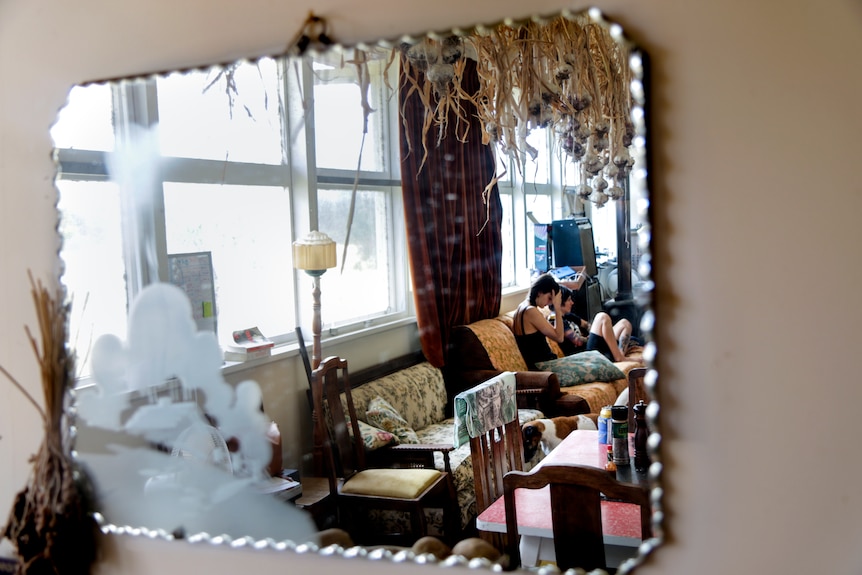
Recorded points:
(314, 254)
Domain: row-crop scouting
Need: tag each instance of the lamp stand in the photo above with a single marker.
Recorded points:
(315, 320)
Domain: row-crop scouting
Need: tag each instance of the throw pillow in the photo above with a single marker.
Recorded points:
(584, 367)
(380, 413)
(372, 437)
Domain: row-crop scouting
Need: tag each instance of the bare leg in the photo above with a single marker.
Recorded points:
(623, 333)
(603, 326)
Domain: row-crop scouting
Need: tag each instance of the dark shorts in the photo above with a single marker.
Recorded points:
(598, 343)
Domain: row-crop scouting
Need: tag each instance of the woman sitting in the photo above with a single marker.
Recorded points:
(603, 335)
(531, 326)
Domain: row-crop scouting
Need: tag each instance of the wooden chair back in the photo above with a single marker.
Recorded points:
(576, 515)
(339, 456)
(494, 454)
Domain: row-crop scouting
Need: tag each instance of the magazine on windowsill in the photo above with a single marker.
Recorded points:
(247, 344)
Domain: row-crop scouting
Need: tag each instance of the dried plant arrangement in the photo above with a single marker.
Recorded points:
(51, 522)
(568, 73)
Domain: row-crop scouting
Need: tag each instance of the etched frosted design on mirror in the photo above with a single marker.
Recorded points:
(233, 162)
(165, 461)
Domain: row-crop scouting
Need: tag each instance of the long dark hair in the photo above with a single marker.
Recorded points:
(545, 283)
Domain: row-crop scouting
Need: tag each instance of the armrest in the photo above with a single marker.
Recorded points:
(545, 380)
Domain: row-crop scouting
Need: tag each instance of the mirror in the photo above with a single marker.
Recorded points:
(203, 178)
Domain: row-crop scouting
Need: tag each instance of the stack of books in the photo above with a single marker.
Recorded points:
(283, 488)
(248, 344)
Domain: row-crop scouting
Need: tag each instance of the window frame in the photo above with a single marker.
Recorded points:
(136, 103)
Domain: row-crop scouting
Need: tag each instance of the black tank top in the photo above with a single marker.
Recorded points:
(534, 346)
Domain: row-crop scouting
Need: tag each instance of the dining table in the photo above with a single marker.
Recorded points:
(621, 522)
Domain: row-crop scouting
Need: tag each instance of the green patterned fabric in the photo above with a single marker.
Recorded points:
(584, 367)
(381, 414)
(483, 407)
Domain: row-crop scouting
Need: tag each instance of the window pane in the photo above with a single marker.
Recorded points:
(363, 290)
(199, 117)
(339, 117)
(540, 206)
(508, 232)
(92, 253)
(604, 222)
(538, 170)
(86, 123)
(247, 229)
(571, 173)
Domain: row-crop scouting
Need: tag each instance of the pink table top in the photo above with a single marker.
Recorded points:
(621, 521)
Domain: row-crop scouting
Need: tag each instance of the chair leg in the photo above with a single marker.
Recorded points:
(418, 523)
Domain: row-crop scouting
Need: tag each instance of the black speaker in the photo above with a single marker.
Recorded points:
(588, 299)
(588, 248)
(594, 297)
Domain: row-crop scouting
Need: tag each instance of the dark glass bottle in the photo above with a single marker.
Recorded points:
(641, 434)
(620, 434)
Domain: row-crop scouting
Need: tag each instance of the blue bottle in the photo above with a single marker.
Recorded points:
(603, 423)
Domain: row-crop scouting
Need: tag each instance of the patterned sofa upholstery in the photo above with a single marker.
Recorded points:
(484, 348)
(419, 395)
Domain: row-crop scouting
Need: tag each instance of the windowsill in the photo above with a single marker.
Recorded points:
(289, 350)
(515, 290)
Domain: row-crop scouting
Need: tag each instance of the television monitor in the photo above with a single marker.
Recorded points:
(573, 245)
(566, 241)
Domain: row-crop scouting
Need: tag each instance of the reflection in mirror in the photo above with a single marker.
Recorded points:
(228, 165)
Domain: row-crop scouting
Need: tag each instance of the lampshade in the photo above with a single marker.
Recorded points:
(316, 251)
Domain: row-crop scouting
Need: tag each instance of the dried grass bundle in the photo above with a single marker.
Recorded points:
(51, 523)
(567, 74)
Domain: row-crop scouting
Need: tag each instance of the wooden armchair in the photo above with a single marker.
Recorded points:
(357, 488)
(576, 494)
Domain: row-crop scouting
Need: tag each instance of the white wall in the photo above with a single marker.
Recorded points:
(757, 196)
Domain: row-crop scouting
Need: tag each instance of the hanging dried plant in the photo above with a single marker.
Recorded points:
(433, 71)
(567, 74)
(51, 523)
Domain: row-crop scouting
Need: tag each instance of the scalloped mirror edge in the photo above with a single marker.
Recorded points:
(639, 200)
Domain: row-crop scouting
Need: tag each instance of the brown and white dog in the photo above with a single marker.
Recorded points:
(548, 433)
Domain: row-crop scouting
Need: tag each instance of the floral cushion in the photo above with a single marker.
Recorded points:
(380, 413)
(418, 394)
(372, 437)
(584, 367)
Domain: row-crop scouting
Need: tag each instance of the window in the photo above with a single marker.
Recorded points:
(536, 193)
(364, 289)
(372, 279)
(224, 177)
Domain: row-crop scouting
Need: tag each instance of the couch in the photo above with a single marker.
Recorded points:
(484, 348)
(418, 394)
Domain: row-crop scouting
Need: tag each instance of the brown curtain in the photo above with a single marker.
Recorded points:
(456, 267)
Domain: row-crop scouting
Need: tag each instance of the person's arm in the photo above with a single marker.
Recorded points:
(535, 318)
